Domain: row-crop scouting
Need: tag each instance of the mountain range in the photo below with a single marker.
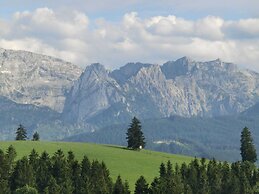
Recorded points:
(183, 87)
(62, 101)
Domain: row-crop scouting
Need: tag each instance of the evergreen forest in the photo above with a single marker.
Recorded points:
(62, 173)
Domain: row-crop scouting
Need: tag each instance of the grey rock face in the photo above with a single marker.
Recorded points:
(94, 92)
(184, 87)
(29, 78)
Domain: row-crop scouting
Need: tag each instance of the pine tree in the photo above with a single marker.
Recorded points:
(135, 136)
(21, 133)
(178, 185)
(155, 187)
(126, 187)
(44, 172)
(53, 187)
(119, 187)
(247, 148)
(36, 136)
(141, 186)
(4, 174)
(162, 170)
(100, 182)
(85, 176)
(34, 159)
(214, 179)
(10, 156)
(23, 174)
(60, 170)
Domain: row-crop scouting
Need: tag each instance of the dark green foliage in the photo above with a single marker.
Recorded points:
(26, 190)
(155, 187)
(4, 187)
(21, 134)
(59, 174)
(34, 159)
(4, 174)
(214, 176)
(10, 156)
(135, 136)
(141, 186)
(201, 177)
(100, 181)
(36, 136)
(120, 188)
(52, 187)
(162, 170)
(44, 174)
(23, 174)
(247, 148)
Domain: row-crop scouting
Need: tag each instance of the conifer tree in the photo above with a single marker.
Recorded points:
(119, 187)
(213, 173)
(44, 172)
(162, 170)
(141, 186)
(36, 136)
(34, 159)
(21, 134)
(23, 174)
(248, 151)
(9, 158)
(85, 176)
(4, 174)
(126, 187)
(53, 187)
(76, 176)
(135, 137)
(178, 186)
(155, 187)
(60, 170)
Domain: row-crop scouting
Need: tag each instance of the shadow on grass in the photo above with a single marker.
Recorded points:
(121, 148)
(117, 147)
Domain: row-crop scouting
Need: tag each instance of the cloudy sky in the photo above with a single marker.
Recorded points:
(114, 32)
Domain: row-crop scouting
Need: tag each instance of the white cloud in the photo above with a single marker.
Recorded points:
(74, 37)
(242, 29)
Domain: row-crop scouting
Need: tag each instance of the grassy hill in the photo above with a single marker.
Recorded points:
(120, 161)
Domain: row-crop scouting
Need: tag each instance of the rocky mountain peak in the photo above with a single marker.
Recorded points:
(125, 72)
(180, 67)
(29, 78)
(183, 87)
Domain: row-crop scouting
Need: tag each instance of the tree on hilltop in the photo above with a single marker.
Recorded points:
(135, 136)
(21, 134)
(248, 151)
(36, 136)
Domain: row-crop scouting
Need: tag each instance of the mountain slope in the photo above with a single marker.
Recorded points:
(183, 87)
(31, 116)
(217, 137)
(29, 78)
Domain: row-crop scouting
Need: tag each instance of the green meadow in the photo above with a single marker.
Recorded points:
(120, 161)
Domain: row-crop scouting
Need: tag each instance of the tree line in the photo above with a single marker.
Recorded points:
(58, 174)
(64, 174)
(203, 177)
